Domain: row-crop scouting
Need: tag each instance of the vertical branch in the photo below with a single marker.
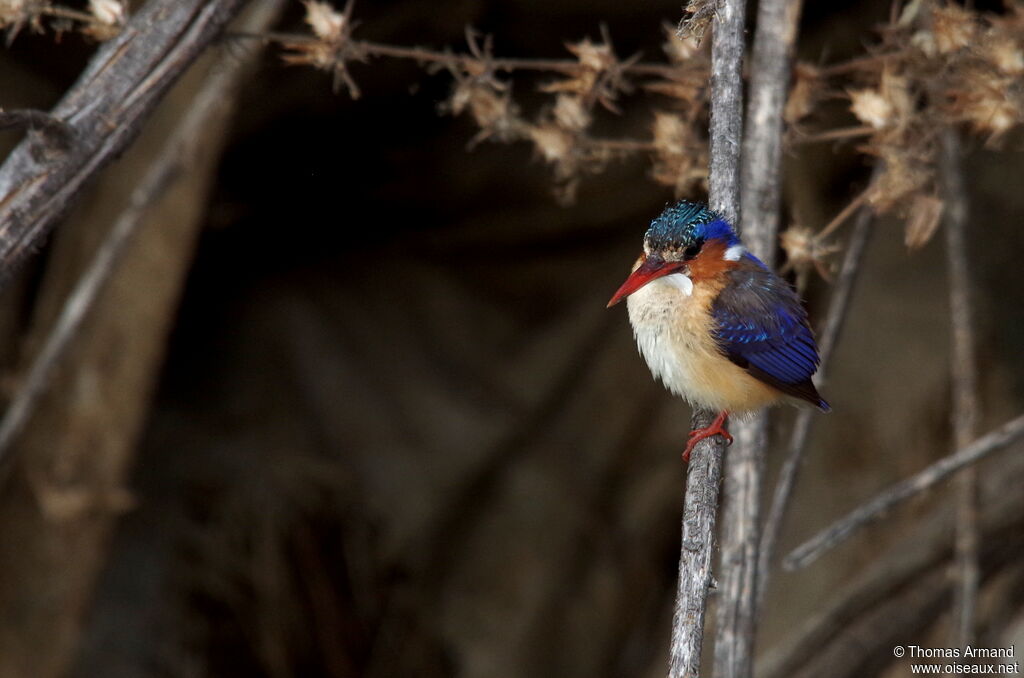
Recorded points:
(741, 518)
(964, 372)
(771, 56)
(842, 293)
(705, 469)
(745, 466)
(726, 109)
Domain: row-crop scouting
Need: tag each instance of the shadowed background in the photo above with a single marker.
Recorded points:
(377, 419)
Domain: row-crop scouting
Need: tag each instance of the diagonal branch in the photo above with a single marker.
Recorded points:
(701, 504)
(867, 513)
(215, 96)
(105, 109)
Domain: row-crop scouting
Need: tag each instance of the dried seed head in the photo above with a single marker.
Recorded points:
(925, 41)
(804, 251)
(1004, 52)
(679, 48)
(954, 28)
(922, 220)
(680, 159)
(890, 106)
(989, 102)
(491, 109)
(598, 78)
(553, 143)
(570, 113)
(12, 12)
(326, 22)
(804, 94)
(871, 108)
(593, 57)
(108, 12)
(903, 174)
(670, 133)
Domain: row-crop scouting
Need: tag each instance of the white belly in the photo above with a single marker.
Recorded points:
(672, 325)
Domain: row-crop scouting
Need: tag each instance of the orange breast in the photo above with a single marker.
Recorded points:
(674, 334)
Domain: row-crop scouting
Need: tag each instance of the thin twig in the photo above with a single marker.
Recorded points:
(701, 504)
(880, 582)
(179, 148)
(867, 513)
(844, 214)
(838, 308)
(964, 371)
(868, 62)
(836, 134)
(425, 55)
(124, 81)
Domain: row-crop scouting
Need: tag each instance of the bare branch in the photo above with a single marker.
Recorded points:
(726, 132)
(844, 214)
(831, 537)
(105, 108)
(460, 60)
(964, 370)
(695, 576)
(705, 470)
(180, 147)
(857, 621)
(745, 465)
(771, 57)
(736, 614)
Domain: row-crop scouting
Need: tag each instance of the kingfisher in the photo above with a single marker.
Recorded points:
(714, 324)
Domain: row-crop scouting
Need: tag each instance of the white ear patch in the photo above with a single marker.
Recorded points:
(680, 281)
(734, 253)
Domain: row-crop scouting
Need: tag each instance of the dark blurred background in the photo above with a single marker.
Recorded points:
(388, 427)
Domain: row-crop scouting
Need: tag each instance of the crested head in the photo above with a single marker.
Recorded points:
(681, 231)
(688, 243)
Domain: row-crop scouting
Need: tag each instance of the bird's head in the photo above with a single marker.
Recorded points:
(687, 239)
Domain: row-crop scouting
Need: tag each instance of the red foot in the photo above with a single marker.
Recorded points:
(717, 427)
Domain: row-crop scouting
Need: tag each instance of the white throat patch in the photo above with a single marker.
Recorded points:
(680, 281)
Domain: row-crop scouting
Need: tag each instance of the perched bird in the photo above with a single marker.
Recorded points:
(714, 323)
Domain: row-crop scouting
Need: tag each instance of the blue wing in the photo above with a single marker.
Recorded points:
(762, 327)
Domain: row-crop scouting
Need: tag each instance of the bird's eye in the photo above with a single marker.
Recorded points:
(692, 251)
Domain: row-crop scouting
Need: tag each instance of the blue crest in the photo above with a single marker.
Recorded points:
(686, 224)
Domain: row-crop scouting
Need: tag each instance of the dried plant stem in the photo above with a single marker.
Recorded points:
(843, 215)
(462, 60)
(701, 503)
(867, 513)
(866, 62)
(839, 305)
(964, 372)
(836, 134)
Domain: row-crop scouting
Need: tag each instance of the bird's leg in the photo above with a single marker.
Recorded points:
(717, 427)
